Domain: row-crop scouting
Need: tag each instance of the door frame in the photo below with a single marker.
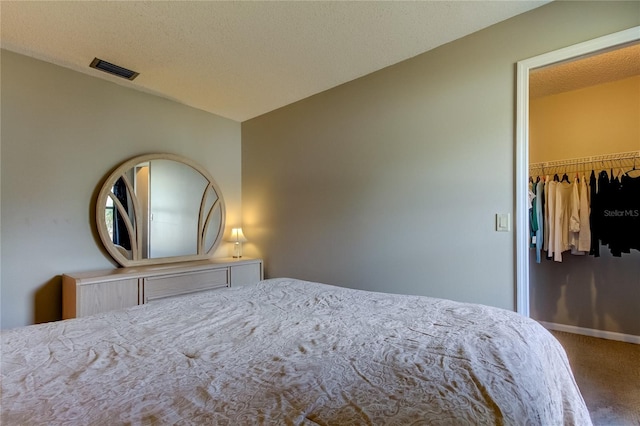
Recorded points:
(522, 143)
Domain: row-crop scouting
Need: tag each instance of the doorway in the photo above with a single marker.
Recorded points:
(522, 144)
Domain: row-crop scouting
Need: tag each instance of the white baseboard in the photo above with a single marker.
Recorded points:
(629, 338)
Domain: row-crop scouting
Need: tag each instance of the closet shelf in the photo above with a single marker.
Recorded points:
(620, 156)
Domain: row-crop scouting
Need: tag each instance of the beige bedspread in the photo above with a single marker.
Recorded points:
(290, 352)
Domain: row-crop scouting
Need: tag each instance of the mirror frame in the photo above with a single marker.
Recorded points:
(203, 219)
(575, 51)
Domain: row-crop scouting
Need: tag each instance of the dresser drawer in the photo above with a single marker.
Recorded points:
(81, 301)
(245, 274)
(173, 285)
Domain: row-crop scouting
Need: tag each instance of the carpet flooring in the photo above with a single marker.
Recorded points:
(608, 375)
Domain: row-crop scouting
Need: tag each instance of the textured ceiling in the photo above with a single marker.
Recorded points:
(241, 59)
(603, 67)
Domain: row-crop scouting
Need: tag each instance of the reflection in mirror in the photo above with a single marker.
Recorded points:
(160, 208)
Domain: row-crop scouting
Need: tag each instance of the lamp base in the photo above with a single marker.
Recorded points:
(237, 250)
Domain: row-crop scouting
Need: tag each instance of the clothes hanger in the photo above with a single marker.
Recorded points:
(603, 172)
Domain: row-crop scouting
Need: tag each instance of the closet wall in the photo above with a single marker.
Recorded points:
(583, 291)
(596, 120)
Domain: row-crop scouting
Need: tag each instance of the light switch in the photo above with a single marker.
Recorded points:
(503, 222)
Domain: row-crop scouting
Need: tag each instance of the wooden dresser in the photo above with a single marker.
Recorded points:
(89, 293)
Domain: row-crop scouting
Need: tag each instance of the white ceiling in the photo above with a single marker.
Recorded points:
(599, 68)
(241, 59)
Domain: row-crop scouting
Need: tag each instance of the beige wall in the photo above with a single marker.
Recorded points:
(62, 133)
(596, 120)
(392, 182)
(584, 291)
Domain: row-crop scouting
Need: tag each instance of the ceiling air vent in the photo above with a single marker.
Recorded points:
(105, 66)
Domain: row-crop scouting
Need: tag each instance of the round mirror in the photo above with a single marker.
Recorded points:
(160, 208)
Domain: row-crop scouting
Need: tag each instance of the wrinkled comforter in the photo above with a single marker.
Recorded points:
(290, 352)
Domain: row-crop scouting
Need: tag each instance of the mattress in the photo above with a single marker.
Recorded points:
(285, 351)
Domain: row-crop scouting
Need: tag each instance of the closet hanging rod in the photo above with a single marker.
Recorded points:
(629, 155)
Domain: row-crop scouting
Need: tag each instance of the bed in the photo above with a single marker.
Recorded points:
(285, 351)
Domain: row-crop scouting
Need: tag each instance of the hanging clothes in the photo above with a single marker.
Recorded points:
(620, 215)
(539, 207)
(631, 205)
(603, 202)
(584, 239)
(545, 245)
(593, 216)
(551, 214)
(574, 219)
(533, 220)
(562, 219)
(580, 217)
(536, 214)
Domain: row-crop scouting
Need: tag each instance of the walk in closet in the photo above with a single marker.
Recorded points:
(584, 153)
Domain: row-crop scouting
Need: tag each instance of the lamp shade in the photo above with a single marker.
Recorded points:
(237, 236)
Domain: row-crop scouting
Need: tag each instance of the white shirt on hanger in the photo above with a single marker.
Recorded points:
(584, 240)
(551, 211)
(575, 227)
(561, 219)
